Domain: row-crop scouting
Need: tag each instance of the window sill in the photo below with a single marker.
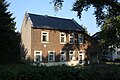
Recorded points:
(80, 43)
(44, 42)
(63, 43)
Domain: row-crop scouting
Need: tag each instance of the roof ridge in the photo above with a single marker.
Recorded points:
(50, 16)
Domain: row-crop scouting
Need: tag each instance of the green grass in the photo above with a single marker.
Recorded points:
(89, 72)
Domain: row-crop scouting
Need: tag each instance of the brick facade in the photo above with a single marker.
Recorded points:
(89, 46)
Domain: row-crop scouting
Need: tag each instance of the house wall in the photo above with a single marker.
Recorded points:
(26, 38)
(54, 44)
(93, 49)
(31, 41)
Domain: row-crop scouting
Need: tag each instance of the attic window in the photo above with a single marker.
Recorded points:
(28, 18)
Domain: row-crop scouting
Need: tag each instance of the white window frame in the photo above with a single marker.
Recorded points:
(62, 55)
(71, 55)
(53, 56)
(81, 52)
(64, 38)
(71, 35)
(80, 36)
(47, 35)
(37, 54)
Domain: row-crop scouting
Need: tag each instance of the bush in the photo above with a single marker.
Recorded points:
(90, 72)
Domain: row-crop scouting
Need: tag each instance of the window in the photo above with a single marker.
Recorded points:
(51, 56)
(81, 56)
(71, 53)
(62, 38)
(80, 38)
(37, 56)
(62, 55)
(44, 37)
(118, 52)
(71, 38)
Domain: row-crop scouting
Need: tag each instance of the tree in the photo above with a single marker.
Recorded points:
(9, 41)
(86, 31)
(107, 13)
(110, 32)
(104, 9)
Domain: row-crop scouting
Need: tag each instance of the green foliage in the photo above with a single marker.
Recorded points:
(90, 72)
(107, 13)
(110, 32)
(57, 4)
(9, 39)
(104, 9)
(86, 31)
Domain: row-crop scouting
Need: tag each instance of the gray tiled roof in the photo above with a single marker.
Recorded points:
(40, 21)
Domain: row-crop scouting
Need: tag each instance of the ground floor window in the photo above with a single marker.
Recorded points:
(81, 56)
(62, 55)
(118, 52)
(51, 56)
(71, 55)
(37, 56)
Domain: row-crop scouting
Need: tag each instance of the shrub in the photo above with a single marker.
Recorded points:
(90, 72)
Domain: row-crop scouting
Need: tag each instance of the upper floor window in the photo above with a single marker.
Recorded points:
(44, 37)
(80, 38)
(62, 38)
(37, 56)
(51, 56)
(62, 55)
(71, 38)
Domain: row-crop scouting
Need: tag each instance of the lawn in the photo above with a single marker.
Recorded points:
(88, 72)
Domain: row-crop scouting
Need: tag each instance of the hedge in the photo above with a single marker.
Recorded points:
(91, 72)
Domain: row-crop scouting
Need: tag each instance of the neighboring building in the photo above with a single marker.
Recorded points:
(112, 53)
(55, 41)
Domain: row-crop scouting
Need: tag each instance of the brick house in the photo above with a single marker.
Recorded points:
(55, 41)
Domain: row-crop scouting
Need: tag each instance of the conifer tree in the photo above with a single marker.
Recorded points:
(9, 41)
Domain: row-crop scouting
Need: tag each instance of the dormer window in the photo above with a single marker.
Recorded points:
(44, 37)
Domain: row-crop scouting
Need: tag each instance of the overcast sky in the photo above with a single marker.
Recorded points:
(43, 7)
